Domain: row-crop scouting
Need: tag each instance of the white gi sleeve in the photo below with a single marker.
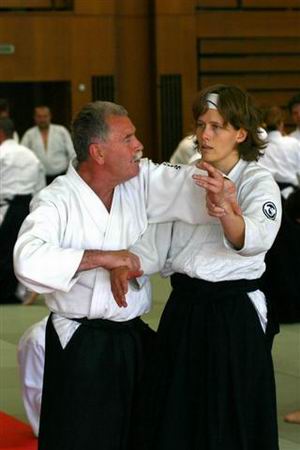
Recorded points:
(173, 195)
(260, 202)
(40, 263)
(152, 248)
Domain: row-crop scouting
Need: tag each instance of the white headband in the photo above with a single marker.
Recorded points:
(212, 101)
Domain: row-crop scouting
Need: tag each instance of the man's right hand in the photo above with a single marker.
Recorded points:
(109, 259)
(119, 283)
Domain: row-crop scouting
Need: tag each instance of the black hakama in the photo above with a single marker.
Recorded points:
(91, 386)
(282, 275)
(213, 383)
(17, 210)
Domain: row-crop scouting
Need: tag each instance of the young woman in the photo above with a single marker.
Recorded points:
(212, 381)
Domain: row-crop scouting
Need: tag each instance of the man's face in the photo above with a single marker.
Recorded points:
(122, 150)
(42, 118)
(296, 114)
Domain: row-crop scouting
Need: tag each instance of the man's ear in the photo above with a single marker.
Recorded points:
(96, 153)
(241, 135)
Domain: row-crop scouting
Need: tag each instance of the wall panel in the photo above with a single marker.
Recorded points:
(282, 4)
(176, 55)
(217, 4)
(174, 7)
(268, 68)
(25, 4)
(248, 23)
(137, 42)
(94, 7)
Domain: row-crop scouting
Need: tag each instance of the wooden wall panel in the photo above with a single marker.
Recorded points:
(41, 48)
(133, 7)
(135, 74)
(270, 4)
(136, 42)
(63, 47)
(247, 4)
(248, 24)
(36, 4)
(176, 55)
(281, 81)
(248, 64)
(25, 4)
(115, 7)
(92, 53)
(175, 7)
(44, 47)
(217, 3)
(97, 7)
(267, 68)
(250, 46)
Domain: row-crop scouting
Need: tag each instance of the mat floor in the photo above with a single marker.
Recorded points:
(15, 319)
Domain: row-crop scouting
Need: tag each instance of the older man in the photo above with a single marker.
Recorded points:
(77, 231)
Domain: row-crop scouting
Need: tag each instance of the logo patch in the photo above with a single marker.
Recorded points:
(270, 210)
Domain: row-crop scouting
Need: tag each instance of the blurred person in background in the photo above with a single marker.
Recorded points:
(21, 175)
(5, 112)
(294, 109)
(186, 151)
(51, 143)
(282, 153)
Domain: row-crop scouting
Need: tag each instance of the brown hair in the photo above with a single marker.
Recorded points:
(237, 109)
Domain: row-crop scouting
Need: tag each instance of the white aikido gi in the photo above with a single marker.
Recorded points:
(21, 173)
(68, 217)
(296, 134)
(282, 159)
(203, 252)
(31, 359)
(185, 151)
(56, 157)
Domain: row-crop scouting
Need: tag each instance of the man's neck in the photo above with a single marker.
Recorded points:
(97, 182)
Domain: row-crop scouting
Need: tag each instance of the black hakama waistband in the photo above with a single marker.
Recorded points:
(181, 281)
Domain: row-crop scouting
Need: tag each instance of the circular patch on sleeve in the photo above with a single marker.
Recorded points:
(270, 210)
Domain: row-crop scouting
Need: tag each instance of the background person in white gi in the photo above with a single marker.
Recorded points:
(51, 143)
(21, 176)
(294, 109)
(31, 359)
(95, 351)
(5, 112)
(282, 153)
(211, 385)
(186, 151)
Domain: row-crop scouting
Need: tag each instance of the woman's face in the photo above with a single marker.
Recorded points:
(218, 142)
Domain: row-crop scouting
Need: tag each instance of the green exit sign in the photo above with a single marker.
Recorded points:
(7, 49)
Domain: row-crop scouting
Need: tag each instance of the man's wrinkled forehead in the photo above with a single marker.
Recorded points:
(120, 125)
